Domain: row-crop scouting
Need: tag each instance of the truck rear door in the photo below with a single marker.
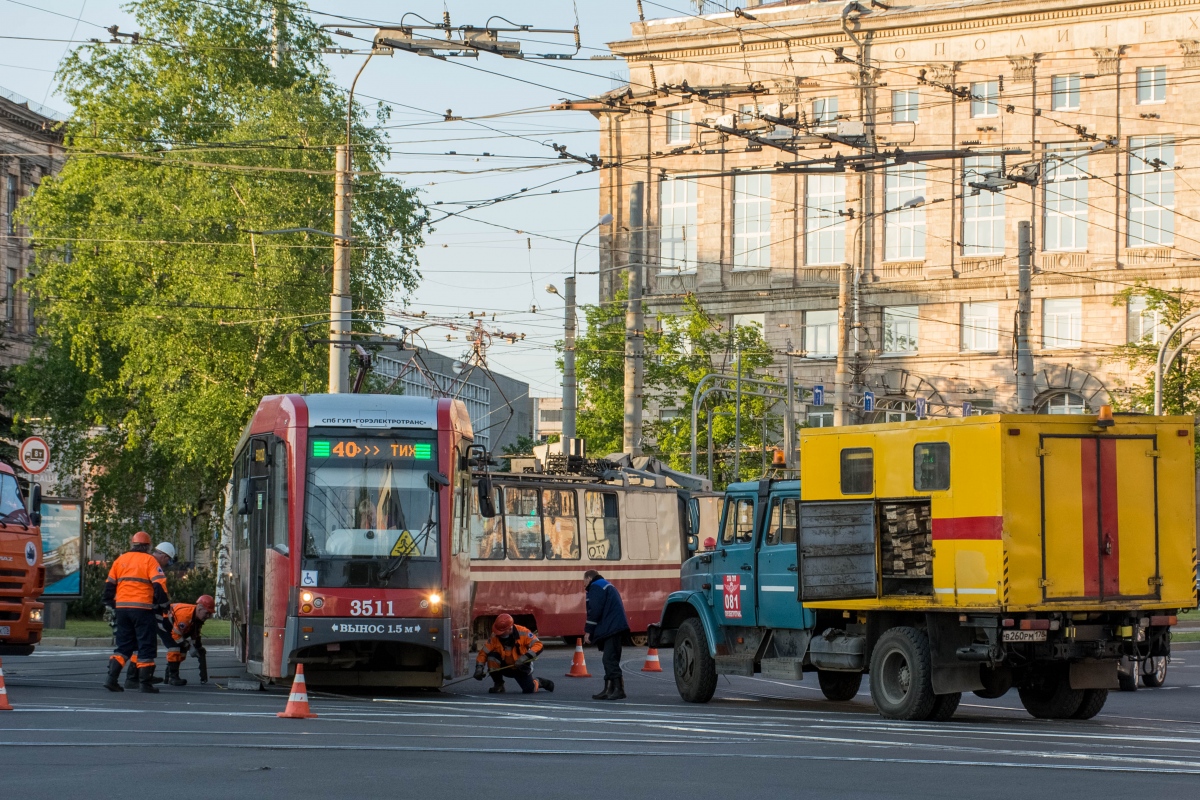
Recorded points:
(1099, 517)
(837, 550)
(733, 563)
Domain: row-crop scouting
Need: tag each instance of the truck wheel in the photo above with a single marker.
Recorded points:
(1048, 694)
(944, 707)
(839, 686)
(1154, 672)
(1093, 701)
(996, 683)
(901, 686)
(695, 669)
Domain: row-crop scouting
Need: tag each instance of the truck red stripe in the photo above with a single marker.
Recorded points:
(1110, 533)
(986, 528)
(1091, 512)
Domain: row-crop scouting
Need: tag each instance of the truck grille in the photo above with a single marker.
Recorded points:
(6, 585)
(10, 616)
(12, 573)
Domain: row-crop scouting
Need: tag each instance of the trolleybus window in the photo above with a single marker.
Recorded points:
(487, 534)
(931, 467)
(784, 522)
(858, 470)
(602, 525)
(560, 523)
(739, 522)
(370, 497)
(522, 523)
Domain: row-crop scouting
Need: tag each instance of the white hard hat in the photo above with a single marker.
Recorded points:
(167, 548)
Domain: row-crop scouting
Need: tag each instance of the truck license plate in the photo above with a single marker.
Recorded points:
(1024, 636)
(5, 630)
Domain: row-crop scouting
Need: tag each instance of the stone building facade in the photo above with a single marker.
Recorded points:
(746, 169)
(30, 149)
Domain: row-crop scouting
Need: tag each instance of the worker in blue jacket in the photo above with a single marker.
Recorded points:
(606, 627)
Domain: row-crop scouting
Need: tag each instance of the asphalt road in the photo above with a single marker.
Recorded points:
(758, 738)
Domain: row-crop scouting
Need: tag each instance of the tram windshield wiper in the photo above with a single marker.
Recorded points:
(419, 542)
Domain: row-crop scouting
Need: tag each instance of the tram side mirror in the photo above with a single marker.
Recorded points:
(436, 480)
(35, 504)
(243, 494)
(483, 497)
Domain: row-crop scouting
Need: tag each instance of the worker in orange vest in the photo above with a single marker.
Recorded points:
(186, 620)
(136, 591)
(512, 650)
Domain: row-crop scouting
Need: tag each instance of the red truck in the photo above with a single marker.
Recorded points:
(22, 576)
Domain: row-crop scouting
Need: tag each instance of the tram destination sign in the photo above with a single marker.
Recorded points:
(363, 448)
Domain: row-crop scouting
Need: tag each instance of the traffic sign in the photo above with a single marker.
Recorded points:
(868, 401)
(920, 408)
(35, 455)
(966, 408)
(819, 395)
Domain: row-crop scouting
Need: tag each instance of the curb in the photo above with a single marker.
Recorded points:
(81, 642)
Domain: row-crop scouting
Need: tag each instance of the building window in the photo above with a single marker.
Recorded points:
(550, 415)
(983, 210)
(747, 113)
(820, 417)
(904, 229)
(1064, 92)
(824, 223)
(1064, 403)
(824, 110)
(750, 321)
(679, 125)
(10, 294)
(11, 204)
(1066, 219)
(677, 220)
(905, 105)
(1151, 85)
(820, 334)
(985, 99)
(1151, 191)
(898, 416)
(900, 329)
(1142, 324)
(751, 221)
(1062, 322)
(981, 327)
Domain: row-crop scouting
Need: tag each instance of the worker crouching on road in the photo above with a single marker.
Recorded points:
(606, 626)
(136, 592)
(512, 651)
(180, 630)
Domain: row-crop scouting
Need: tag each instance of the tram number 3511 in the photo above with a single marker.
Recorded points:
(371, 608)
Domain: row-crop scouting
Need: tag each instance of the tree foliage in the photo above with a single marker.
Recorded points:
(164, 316)
(1181, 384)
(688, 347)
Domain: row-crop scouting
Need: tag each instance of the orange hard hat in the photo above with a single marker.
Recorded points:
(206, 602)
(502, 625)
(141, 537)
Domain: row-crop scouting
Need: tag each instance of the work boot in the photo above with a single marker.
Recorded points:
(146, 677)
(618, 692)
(114, 672)
(497, 689)
(131, 677)
(605, 692)
(545, 684)
(173, 678)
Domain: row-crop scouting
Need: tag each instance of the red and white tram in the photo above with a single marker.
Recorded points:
(347, 540)
(529, 559)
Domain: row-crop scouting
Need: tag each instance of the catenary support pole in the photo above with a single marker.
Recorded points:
(569, 394)
(1024, 308)
(339, 300)
(841, 381)
(789, 418)
(634, 339)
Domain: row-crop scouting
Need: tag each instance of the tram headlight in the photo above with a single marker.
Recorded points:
(306, 597)
(435, 599)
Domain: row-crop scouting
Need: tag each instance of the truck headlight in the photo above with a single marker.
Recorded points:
(35, 615)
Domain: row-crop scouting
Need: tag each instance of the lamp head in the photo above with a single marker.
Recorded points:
(606, 219)
(551, 288)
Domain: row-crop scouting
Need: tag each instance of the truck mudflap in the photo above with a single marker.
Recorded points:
(657, 637)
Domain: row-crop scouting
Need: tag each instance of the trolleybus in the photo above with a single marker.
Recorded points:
(346, 537)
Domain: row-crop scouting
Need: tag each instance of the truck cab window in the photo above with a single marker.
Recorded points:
(858, 470)
(783, 524)
(931, 467)
(739, 522)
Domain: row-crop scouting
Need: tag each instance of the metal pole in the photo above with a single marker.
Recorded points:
(841, 381)
(737, 420)
(709, 414)
(696, 403)
(789, 419)
(632, 443)
(339, 300)
(1024, 307)
(569, 394)
(1161, 366)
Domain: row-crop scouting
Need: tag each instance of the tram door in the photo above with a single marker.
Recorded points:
(259, 518)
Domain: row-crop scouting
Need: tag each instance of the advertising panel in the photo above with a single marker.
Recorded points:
(62, 547)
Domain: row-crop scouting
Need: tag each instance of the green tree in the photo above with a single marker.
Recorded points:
(1181, 384)
(163, 317)
(600, 371)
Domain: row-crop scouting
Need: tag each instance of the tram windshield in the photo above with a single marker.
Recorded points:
(370, 497)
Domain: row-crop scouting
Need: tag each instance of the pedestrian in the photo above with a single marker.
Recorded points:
(511, 651)
(606, 626)
(136, 593)
(164, 554)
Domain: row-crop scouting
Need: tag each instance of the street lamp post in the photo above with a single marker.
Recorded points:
(570, 396)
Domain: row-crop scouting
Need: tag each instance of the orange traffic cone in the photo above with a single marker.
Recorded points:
(652, 664)
(578, 665)
(297, 706)
(4, 704)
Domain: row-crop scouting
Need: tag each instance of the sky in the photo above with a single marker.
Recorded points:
(492, 260)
